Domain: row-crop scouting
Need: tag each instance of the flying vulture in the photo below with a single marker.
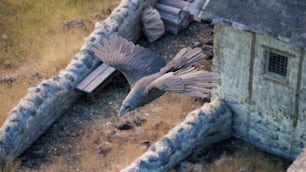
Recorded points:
(148, 74)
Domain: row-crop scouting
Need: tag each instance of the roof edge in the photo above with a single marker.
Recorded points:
(206, 15)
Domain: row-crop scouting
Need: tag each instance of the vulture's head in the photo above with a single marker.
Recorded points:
(138, 96)
(132, 101)
(125, 107)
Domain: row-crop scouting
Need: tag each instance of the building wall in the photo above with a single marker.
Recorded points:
(272, 113)
(266, 109)
(300, 139)
(232, 65)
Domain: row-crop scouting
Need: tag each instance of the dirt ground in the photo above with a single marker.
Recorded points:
(90, 137)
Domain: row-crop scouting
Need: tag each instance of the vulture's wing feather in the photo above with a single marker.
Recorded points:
(186, 81)
(184, 58)
(132, 60)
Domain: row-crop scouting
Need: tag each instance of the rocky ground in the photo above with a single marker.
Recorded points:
(90, 137)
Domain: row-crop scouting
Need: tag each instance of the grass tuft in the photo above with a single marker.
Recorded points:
(12, 166)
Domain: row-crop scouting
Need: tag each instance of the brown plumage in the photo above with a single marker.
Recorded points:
(148, 74)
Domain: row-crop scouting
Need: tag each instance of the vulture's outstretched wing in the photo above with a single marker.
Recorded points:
(184, 58)
(132, 60)
(186, 81)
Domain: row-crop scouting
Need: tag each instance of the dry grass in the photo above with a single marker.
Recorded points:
(11, 166)
(247, 158)
(33, 41)
(10, 95)
(32, 26)
(98, 150)
(246, 163)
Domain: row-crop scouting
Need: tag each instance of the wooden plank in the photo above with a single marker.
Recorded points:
(99, 79)
(175, 3)
(88, 79)
(169, 9)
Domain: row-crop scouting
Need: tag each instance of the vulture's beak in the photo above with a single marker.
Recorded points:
(122, 111)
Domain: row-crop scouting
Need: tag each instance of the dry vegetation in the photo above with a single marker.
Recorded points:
(238, 156)
(11, 166)
(34, 44)
(102, 147)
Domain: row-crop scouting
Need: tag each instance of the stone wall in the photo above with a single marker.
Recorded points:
(266, 109)
(300, 139)
(299, 164)
(45, 103)
(232, 51)
(272, 114)
(202, 127)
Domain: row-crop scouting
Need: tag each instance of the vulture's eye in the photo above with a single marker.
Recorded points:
(128, 107)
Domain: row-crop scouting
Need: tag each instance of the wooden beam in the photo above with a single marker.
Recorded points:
(169, 18)
(91, 76)
(168, 9)
(99, 79)
(185, 19)
(175, 3)
(94, 79)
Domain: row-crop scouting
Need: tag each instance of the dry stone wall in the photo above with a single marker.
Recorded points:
(45, 103)
(202, 127)
(299, 164)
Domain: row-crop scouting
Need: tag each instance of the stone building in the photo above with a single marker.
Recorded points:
(259, 51)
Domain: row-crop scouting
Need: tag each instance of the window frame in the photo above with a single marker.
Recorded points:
(273, 76)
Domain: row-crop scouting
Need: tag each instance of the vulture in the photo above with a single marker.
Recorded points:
(148, 74)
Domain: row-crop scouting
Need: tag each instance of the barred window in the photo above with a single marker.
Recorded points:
(276, 63)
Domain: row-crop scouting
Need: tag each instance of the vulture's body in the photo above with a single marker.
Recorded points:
(148, 74)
